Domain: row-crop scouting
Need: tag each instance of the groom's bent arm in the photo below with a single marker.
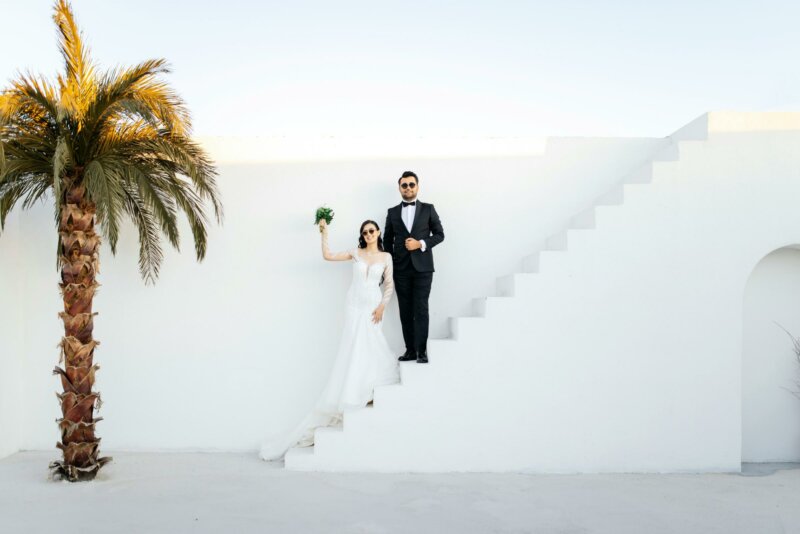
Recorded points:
(388, 235)
(436, 230)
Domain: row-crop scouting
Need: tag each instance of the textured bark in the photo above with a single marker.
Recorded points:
(79, 260)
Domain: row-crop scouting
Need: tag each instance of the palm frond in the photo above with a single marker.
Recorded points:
(191, 161)
(33, 91)
(76, 57)
(192, 206)
(26, 172)
(103, 182)
(79, 86)
(124, 135)
(158, 200)
(137, 94)
(11, 192)
(150, 253)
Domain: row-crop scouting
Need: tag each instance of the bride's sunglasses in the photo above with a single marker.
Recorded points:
(370, 232)
(408, 185)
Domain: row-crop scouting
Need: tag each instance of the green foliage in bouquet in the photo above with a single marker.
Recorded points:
(324, 213)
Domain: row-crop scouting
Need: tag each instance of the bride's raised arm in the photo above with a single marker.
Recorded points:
(326, 253)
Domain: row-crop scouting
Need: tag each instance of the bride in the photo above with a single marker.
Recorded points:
(364, 359)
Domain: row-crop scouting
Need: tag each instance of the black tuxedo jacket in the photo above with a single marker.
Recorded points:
(426, 227)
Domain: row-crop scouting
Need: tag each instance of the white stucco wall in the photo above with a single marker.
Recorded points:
(11, 349)
(217, 354)
(619, 351)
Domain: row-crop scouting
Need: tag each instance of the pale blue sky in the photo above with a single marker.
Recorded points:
(499, 68)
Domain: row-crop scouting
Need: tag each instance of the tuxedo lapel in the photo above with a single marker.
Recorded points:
(416, 215)
(398, 217)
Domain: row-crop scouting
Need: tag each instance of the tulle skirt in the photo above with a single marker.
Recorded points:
(363, 361)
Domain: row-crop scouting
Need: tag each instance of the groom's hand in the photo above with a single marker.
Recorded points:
(412, 244)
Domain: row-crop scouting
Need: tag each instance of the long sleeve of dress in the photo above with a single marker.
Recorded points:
(388, 281)
(326, 253)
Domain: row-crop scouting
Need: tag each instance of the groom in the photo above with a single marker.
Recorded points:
(412, 230)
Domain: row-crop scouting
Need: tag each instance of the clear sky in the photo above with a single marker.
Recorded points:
(447, 68)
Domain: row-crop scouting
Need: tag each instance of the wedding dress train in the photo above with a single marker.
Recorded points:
(363, 361)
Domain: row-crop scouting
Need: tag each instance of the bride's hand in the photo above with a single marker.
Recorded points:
(323, 225)
(377, 315)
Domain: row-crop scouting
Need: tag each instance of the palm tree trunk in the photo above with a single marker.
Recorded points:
(79, 249)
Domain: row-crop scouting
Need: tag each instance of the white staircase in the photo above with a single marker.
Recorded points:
(610, 350)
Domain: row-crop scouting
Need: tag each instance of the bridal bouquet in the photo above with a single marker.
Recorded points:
(324, 213)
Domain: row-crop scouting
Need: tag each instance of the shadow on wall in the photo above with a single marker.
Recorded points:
(770, 369)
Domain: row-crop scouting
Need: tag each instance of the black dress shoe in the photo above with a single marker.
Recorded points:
(422, 357)
(408, 356)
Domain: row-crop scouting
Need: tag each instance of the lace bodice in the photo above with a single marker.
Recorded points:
(373, 270)
(366, 270)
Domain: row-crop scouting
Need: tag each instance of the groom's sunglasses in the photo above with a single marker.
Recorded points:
(370, 232)
(408, 185)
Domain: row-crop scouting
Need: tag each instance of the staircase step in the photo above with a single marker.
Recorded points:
(440, 342)
(634, 193)
(504, 287)
(518, 284)
(607, 216)
(420, 379)
(671, 152)
(493, 306)
(409, 396)
(385, 395)
(323, 436)
(407, 372)
(479, 306)
(583, 220)
(447, 348)
(579, 238)
(353, 416)
(642, 175)
(552, 260)
(558, 241)
(613, 197)
(465, 328)
(530, 263)
(300, 459)
(665, 171)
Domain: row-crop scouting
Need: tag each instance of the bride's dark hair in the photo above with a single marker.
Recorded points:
(362, 242)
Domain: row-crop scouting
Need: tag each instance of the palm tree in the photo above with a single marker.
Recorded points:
(106, 146)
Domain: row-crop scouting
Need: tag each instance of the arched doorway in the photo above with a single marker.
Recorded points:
(770, 370)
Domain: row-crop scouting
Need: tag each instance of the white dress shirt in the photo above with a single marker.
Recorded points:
(407, 214)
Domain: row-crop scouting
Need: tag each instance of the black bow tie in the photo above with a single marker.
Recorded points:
(412, 203)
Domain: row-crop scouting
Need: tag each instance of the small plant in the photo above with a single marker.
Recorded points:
(796, 344)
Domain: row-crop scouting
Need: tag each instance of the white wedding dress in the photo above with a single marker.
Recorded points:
(363, 361)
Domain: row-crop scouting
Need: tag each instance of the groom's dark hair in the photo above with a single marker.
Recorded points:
(406, 175)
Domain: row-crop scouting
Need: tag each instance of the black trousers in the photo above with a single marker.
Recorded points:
(413, 289)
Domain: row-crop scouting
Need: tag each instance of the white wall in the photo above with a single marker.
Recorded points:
(770, 370)
(217, 354)
(621, 352)
(11, 351)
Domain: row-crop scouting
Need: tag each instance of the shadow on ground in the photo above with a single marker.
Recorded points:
(766, 469)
